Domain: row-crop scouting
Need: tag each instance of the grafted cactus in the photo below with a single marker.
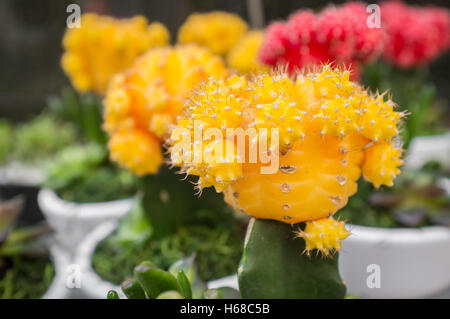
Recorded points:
(323, 132)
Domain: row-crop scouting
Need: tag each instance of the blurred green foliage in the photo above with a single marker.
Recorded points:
(25, 277)
(33, 141)
(41, 137)
(214, 237)
(6, 140)
(83, 173)
(415, 200)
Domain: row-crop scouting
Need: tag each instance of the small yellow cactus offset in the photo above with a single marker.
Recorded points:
(218, 31)
(244, 56)
(103, 46)
(325, 235)
(143, 101)
(329, 131)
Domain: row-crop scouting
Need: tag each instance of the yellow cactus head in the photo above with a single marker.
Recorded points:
(244, 56)
(103, 46)
(312, 136)
(218, 31)
(143, 102)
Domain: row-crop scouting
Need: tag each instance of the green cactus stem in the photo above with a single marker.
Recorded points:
(273, 266)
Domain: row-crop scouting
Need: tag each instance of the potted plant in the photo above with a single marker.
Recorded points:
(290, 203)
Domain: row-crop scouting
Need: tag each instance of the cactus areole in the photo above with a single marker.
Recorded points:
(322, 131)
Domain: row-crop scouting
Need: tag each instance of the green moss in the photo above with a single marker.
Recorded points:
(25, 277)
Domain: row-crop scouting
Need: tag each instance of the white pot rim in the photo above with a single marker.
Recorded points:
(407, 236)
(51, 203)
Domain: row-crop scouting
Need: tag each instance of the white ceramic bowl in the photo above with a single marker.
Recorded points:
(409, 262)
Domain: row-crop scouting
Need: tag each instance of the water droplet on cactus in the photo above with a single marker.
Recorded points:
(286, 206)
(341, 179)
(285, 188)
(335, 199)
(288, 169)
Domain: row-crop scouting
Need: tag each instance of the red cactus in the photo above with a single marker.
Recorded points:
(414, 35)
(337, 34)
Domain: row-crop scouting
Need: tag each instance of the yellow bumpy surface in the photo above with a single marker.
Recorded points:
(103, 46)
(218, 31)
(146, 99)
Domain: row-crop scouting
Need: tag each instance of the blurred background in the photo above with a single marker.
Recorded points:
(30, 41)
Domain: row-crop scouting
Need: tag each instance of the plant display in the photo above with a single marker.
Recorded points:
(331, 131)
(337, 34)
(103, 46)
(218, 31)
(144, 101)
(231, 151)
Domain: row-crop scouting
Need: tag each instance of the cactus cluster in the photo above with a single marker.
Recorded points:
(218, 31)
(330, 130)
(142, 102)
(103, 46)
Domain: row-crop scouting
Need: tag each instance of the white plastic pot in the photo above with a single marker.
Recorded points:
(72, 223)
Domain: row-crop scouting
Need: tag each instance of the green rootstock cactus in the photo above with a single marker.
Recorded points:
(169, 203)
(273, 266)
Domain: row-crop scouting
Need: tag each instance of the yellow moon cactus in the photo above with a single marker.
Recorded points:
(143, 101)
(218, 31)
(103, 46)
(244, 56)
(329, 131)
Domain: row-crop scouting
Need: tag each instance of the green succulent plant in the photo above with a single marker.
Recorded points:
(180, 281)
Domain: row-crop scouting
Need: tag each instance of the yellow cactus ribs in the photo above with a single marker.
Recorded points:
(144, 101)
(325, 235)
(218, 31)
(103, 46)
